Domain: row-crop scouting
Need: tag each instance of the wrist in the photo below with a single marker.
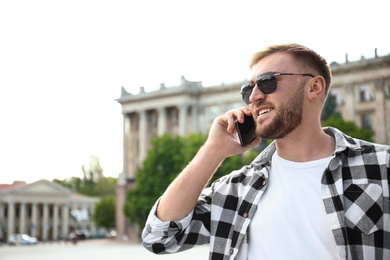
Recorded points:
(213, 152)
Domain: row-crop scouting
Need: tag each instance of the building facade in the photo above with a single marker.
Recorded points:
(362, 90)
(43, 209)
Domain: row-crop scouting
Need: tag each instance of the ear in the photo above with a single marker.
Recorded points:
(316, 88)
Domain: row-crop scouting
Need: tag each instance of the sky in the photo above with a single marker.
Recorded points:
(63, 63)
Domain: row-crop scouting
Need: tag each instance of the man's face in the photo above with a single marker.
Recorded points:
(279, 113)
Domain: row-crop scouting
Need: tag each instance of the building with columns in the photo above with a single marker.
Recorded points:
(43, 209)
(362, 90)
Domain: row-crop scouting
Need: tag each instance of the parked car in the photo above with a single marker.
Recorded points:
(111, 234)
(82, 234)
(22, 239)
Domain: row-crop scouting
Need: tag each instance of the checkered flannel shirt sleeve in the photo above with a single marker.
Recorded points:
(162, 237)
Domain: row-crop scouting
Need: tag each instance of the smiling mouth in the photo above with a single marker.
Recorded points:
(264, 111)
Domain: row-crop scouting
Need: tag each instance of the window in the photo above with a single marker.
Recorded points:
(365, 93)
(366, 119)
(338, 96)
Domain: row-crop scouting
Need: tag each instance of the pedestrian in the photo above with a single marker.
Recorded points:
(313, 193)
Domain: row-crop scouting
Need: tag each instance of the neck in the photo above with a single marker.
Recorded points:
(308, 145)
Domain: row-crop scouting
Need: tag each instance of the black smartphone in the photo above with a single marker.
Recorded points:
(246, 131)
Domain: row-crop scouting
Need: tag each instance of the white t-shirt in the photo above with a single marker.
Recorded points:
(290, 222)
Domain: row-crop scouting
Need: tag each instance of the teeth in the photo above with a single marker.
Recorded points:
(263, 111)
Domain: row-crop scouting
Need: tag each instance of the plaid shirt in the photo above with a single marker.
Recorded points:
(355, 191)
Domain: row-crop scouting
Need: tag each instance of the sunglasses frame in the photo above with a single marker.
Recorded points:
(261, 82)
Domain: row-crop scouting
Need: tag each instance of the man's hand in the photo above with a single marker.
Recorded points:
(223, 133)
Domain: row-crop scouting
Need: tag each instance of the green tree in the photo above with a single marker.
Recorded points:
(163, 162)
(93, 183)
(349, 128)
(73, 183)
(104, 213)
(330, 108)
(105, 186)
(92, 173)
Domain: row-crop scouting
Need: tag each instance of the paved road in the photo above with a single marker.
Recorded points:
(93, 249)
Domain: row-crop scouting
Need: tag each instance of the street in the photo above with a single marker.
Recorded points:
(102, 249)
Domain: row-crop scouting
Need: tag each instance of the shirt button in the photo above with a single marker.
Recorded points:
(231, 251)
(245, 215)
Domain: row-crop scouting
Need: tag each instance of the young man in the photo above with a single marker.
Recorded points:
(314, 193)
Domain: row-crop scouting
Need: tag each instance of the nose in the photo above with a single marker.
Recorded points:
(256, 95)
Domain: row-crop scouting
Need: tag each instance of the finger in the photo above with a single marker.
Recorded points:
(247, 110)
(231, 125)
(240, 113)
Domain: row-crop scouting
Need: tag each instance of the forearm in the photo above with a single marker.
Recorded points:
(181, 196)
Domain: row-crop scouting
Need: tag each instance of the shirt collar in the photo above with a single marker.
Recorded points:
(343, 142)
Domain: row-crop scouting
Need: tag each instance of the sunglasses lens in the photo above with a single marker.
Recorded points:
(267, 86)
(246, 92)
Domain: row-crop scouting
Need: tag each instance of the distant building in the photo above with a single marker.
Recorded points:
(362, 89)
(43, 209)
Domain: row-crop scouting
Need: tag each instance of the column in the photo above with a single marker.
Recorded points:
(75, 220)
(380, 115)
(45, 223)
(195, 118)
(84, 209)
(183, 120)
(55, 222)
(22, 218)
(2, 224)
(34, 218)
(142, 136)
(126, 149)
(65, 220)
(162, 121)
(90, 219)
(11, 218)
(349, 107)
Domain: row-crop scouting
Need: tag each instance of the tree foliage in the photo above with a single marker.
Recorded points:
(330, 108)
(105, 186)
(104, 212)
(349, 128)
(93, 183)
(92, 170)
(163, 162)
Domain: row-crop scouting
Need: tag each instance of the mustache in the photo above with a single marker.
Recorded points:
(263, 103)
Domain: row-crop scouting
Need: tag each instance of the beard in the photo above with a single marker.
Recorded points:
(288, 117)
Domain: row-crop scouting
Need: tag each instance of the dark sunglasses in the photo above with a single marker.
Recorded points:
(266, 83)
